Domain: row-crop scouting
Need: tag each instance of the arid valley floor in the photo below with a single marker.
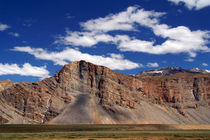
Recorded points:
(105, 132)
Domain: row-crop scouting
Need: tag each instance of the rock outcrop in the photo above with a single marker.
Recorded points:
(82, 92)
(5, 84)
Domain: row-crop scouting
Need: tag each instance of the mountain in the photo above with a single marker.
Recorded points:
(172, 70)
(82, 92)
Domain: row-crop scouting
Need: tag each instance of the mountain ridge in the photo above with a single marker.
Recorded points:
(82, 92)
(172, 70)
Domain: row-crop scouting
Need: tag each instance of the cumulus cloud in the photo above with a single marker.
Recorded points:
(193, 4)
(4, 27)
(122, 21)
(85, 39)
(177, 40)
(205, 64)
(153, 65)
(95, 30)
(14, 34)
(114, 61)
(26, 70)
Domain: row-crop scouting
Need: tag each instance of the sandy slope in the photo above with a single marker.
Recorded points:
(85, 109)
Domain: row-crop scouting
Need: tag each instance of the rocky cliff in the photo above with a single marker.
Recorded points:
(82, 92)
(5, 84)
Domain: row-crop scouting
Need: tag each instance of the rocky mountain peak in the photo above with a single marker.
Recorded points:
(171, 71)
(81, 68)
(198, 70)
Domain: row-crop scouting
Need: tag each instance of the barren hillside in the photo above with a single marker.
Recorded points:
(82, 92)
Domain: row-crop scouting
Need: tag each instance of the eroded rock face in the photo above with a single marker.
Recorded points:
(34, 101)
(178, 88)
(5, 84)
(109, 86)
(82, 92)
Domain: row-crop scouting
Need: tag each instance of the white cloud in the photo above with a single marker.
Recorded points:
(95, 30)
(189, 60)
(205, 64)
(26, 70)
(85, 39)
(155, 64)
(177, 40)
(68, 55)
(4, 27)
(14, 34)
(191, 4)
(111, 22)
(117, 56)
(123, 21)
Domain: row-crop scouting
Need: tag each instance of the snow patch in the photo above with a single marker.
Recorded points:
(156, 71)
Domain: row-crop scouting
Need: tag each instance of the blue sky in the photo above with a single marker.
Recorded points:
(38, 37)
